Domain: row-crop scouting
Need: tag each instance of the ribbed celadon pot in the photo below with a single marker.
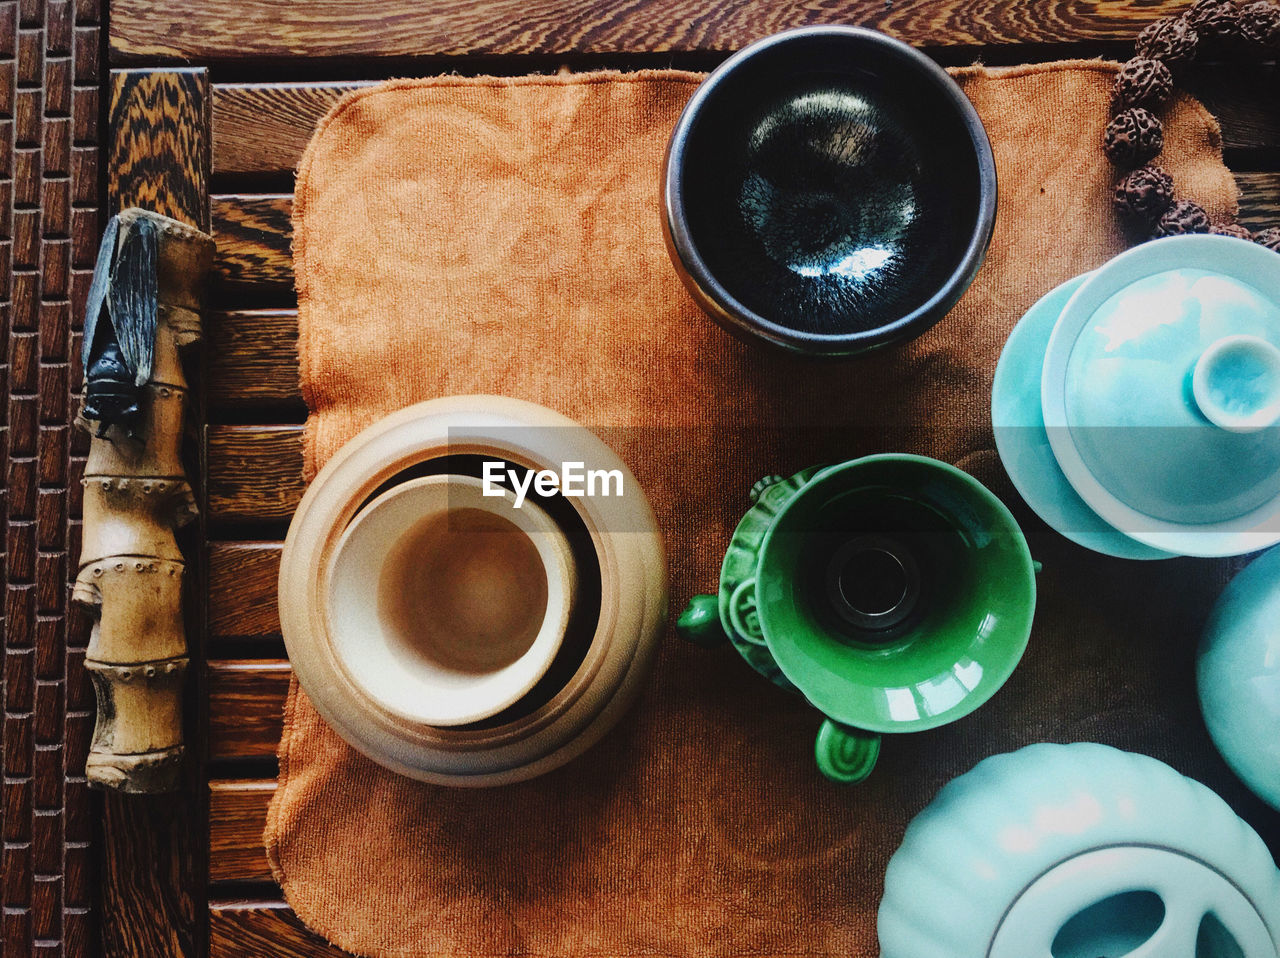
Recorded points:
(1079, 851)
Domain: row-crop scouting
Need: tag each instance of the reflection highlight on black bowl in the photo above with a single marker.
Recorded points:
(832, 211)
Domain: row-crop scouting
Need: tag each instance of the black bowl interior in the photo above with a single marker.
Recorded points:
(831, 185)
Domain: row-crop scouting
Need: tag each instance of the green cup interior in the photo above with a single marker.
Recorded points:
(958, 562)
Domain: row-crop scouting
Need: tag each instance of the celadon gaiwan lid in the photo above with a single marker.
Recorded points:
(1161, 394)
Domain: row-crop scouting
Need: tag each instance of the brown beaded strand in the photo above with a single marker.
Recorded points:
(1144, 194)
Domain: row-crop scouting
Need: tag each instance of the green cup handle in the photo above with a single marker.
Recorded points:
(700, 624)
(845, 755)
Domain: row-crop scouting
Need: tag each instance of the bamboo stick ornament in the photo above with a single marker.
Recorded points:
(143, 308)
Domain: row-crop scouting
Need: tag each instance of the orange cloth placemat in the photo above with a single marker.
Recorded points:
(502, 235)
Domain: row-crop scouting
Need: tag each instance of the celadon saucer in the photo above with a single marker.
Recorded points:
(1023, 443)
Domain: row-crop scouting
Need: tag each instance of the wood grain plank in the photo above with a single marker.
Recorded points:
(253, 234)
(263, 929)
(262, 128)
(246, 707)
(1259, 199)
(160, 147)
(238, 30)
(254, 473)
(1242, 97)
(242, 589)
(237, 818)
(253, 361)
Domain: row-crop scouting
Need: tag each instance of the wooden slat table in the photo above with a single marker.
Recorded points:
(188, 876)
(254, 458)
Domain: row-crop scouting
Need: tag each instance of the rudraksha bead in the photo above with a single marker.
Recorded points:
(1260, 24)
(1141, 82)
(1215, 20)
(1232, 229)
(1144, 194)
(1270, 238)
(1183, 217)
(1172, 41)
(1133, 137)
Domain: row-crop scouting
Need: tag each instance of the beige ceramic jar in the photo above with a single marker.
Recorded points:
(448, 633)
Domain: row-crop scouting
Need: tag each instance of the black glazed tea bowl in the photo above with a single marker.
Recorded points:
(828, 190)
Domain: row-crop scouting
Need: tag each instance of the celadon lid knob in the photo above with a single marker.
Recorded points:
(1161, 394)
(1236, 383)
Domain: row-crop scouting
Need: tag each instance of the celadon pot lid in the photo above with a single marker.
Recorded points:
(1161, 394)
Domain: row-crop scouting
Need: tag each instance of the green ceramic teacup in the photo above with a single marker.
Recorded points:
(895, 592)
